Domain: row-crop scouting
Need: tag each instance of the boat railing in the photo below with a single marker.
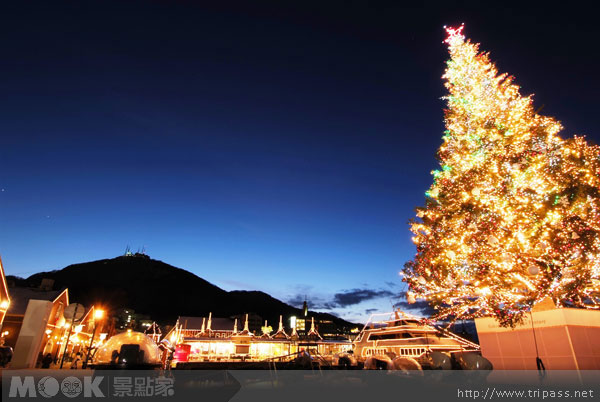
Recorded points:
(315, 356)
(384, 319)
(282, 358)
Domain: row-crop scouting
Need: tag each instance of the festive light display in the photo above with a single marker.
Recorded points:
(513, 215)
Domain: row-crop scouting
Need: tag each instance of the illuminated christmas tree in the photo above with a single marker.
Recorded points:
(513, 215)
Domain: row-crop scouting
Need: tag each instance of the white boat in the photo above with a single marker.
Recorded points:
(401, 335)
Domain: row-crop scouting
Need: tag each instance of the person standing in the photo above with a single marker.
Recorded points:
(46, 361)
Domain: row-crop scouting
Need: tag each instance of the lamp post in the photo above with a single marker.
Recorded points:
(64, 326)
(62, 361)
(98, 315)
(74, 312)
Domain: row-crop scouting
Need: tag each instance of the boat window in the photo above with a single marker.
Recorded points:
(376, 337)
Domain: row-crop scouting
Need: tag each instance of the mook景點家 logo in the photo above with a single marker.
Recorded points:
(48, 387)
(87, 386)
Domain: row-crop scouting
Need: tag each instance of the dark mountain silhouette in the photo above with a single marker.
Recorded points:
(162, 291)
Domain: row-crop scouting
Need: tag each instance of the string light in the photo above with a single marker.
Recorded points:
(513, 215)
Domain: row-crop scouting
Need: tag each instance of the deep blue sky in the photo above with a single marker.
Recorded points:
(266, 146)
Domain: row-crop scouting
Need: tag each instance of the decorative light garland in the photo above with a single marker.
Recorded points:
(513, 215)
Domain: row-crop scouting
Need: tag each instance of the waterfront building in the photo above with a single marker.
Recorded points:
(87, 334)
(16, 312)
(34, 325)
(208, 339)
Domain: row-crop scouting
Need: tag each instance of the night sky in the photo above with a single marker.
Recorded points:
(277, 146)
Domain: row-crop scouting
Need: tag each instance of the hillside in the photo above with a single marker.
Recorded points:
(160, 290)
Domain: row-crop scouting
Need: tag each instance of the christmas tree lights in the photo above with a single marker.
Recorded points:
(513, 215)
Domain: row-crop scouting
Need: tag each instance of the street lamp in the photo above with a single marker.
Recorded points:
(98, 315)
